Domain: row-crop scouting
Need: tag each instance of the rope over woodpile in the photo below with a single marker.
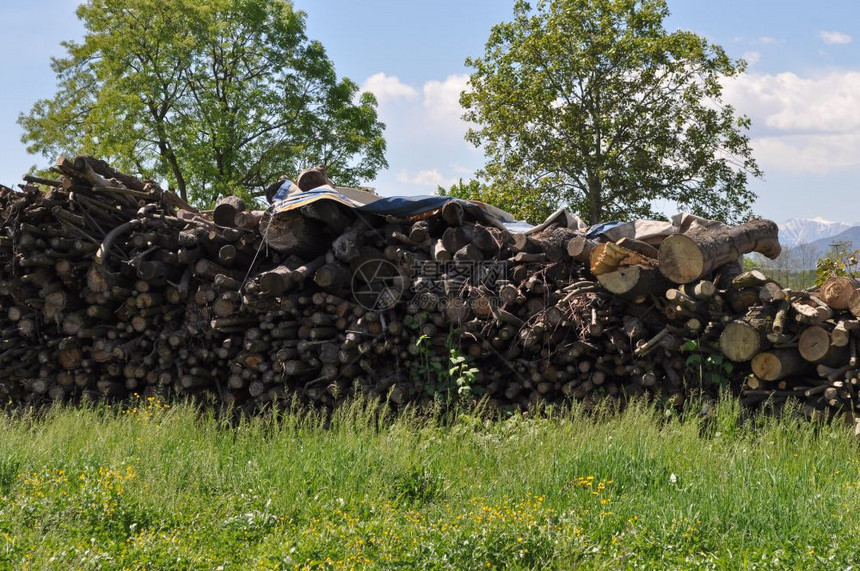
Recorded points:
(111, 286)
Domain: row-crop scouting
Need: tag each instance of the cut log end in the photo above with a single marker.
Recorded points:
(778, 364)
(740, 341)
(634, 283)
(680, 259)
(837, 292)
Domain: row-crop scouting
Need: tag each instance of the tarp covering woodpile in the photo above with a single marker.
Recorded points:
(112, 286)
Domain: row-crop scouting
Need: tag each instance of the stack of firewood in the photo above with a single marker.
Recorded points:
(112, 286)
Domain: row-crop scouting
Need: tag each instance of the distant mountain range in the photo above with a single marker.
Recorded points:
(805, 240)
(798, 231)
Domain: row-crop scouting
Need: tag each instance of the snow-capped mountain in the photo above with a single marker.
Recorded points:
(805, 230)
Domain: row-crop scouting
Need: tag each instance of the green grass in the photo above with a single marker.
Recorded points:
(169, 488)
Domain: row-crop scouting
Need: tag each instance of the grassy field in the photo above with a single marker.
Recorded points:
(168, 488)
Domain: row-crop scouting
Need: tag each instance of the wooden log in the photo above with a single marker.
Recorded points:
(684, 258)
(723, 276)
(836, 292)
(840, 336)
(645, 347)
(455, 238)
(854, 303)
(608, 257)
(639, 247)
(811, 311)
(554, 242)
(681, 300)
(227, 254)
(293, 233)
(524, 243)
(780, 318)
(815, 346)
(752, 278)
(334, 276)
(332, 214)
(226, 209)
(740, 300)
(420, 231)
(276, 281)
(151, 272)
(832, 374)
(248, 219)
(776, 364)
(69, 354)
(469, 252)
(452, 213)
(527, 258)
(209, 269)
(226, 304)
(484, 240)
(312, 178)
(440, 253)
(101, 167)
(633, 283)
(742, 339)
(346, 246)
(579, 248)
(771, 293)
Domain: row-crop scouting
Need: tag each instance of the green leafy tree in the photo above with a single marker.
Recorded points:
(841, 260)
(594, 105)
(215, 96)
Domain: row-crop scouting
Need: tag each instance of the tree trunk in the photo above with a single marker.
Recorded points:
(687, 257)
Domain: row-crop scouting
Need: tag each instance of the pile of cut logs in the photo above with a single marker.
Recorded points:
(112, 286)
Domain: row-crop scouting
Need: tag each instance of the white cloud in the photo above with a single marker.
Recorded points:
(752, 57)
(812, 154)
(442, 98)
(428, 177)
(425, 134)
(388, 88)
(801, 124)
(789, 102)
(768, 40)
(833, 37)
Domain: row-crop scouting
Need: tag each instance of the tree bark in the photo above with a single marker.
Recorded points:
(687, 257)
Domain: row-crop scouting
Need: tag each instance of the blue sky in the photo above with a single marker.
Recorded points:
(802, 88)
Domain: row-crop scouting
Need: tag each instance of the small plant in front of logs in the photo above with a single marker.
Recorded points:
(709, 369)
(840, 261)
(464, 375)
(429, 372)
(454, 381)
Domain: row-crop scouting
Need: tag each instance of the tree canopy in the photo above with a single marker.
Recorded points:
(215, 96)
(593, 104)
